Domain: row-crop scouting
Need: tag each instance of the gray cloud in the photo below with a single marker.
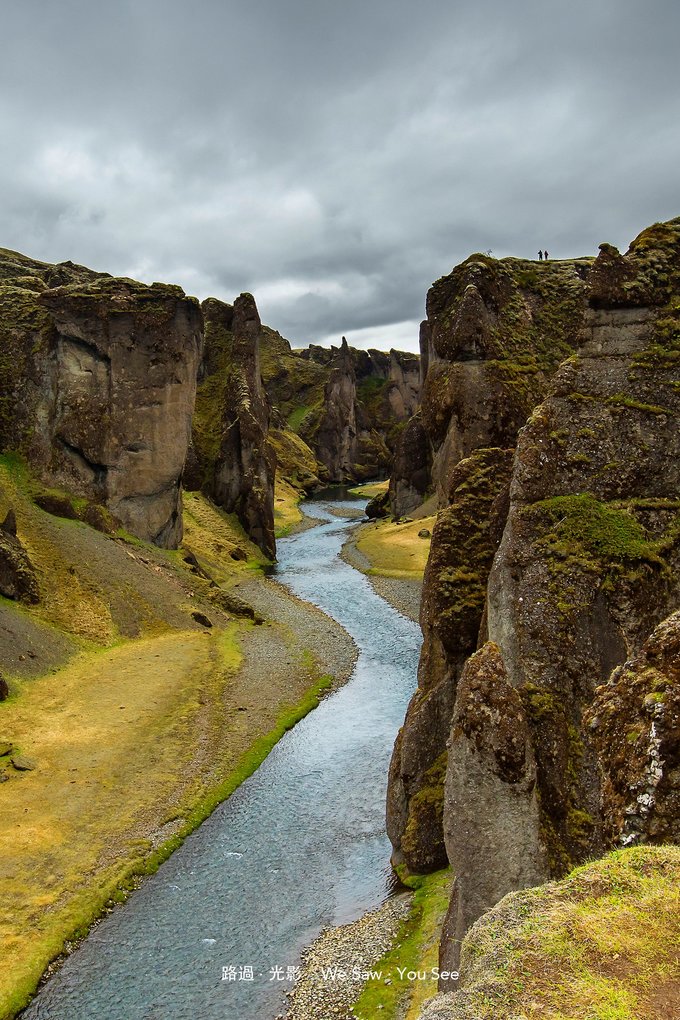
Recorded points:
(332, 158)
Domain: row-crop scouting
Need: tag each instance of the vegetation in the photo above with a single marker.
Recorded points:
(415, 949)
(599, 945)
(395, 550)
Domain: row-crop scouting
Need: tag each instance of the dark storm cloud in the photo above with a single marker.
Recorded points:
(332, 158)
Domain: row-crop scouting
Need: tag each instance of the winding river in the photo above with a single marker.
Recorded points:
(299, 846)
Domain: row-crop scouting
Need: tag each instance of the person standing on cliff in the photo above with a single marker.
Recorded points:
(545, 256)
(540, 255)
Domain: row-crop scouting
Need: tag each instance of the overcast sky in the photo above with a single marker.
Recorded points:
(334, 157)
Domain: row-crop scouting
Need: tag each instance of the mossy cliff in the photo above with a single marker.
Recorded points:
(566, 574)
(232, 460)
(598, 945)
(348, 406)
(97, 385)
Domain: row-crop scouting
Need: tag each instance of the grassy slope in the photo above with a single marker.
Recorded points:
(130, 713)
(395, 550)
(371, 489)
(600, 945)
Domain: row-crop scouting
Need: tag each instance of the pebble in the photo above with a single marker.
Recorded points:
(358, 945)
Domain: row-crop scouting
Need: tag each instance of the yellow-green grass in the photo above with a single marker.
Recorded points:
(395, 550)
(133, 747)
(416, 948)
(287, 511)
(212, 535)
(604, 944)
(135, 741)
(371, 489)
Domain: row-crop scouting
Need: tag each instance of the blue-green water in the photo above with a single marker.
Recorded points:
(299, 846)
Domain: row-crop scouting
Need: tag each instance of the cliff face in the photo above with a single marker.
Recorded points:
(348, 406)
(235, 463)
(494, 335)
(587, 566)
(98, 379)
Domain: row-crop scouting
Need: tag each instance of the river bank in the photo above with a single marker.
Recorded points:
(393, 558)
(137, 703)
(297, 808)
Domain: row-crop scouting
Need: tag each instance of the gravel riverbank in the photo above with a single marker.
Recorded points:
(403, 595)
(305, 627)
(352, 949)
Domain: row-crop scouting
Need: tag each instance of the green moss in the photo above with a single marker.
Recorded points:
(582, 524)
(296, 416)
(539, 704)
(415, 948)
(624, 400)
(423, 834)
(600, 945)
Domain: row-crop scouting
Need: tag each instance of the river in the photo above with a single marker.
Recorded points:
(299, 846)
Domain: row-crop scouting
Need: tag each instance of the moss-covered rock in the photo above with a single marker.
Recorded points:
(97, 377)
(634, 722)
(235, 462)
(464, 540)
(601, 943)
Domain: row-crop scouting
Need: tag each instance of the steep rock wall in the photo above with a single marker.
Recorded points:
(98, 387)
(495, 332)
(587, 566)
(235, 463)
(349, 406)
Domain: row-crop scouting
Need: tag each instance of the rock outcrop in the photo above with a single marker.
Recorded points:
(465, 538)
(236, 465)
(495, 333)
(349, 406)
(98, 378)
(17, 576)
(634, 724)
(572, 948)
(587, 566)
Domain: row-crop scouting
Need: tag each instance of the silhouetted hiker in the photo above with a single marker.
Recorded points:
(540, 256)
(545, 255)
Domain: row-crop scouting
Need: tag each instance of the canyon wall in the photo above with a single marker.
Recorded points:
(348, 406)
(551, 410)
(232, 459)
(97, 387)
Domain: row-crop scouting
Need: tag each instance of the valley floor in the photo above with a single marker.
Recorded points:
(114, 746)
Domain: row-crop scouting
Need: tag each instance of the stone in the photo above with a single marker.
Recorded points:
(562, 575)
(464, 540)
(201, 618)
(18, 579)
(424, 533)
(102, 381)
(232, 420)
(22, 763)
(634, 721)
(5, 748)
(9, 525)
(491, 812)
(378, 507)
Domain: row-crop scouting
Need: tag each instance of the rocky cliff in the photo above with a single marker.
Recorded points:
(562, 378)
(348, 406)
(97, 386)
(233, 460)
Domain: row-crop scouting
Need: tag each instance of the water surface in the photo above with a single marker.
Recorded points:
(299, 846)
